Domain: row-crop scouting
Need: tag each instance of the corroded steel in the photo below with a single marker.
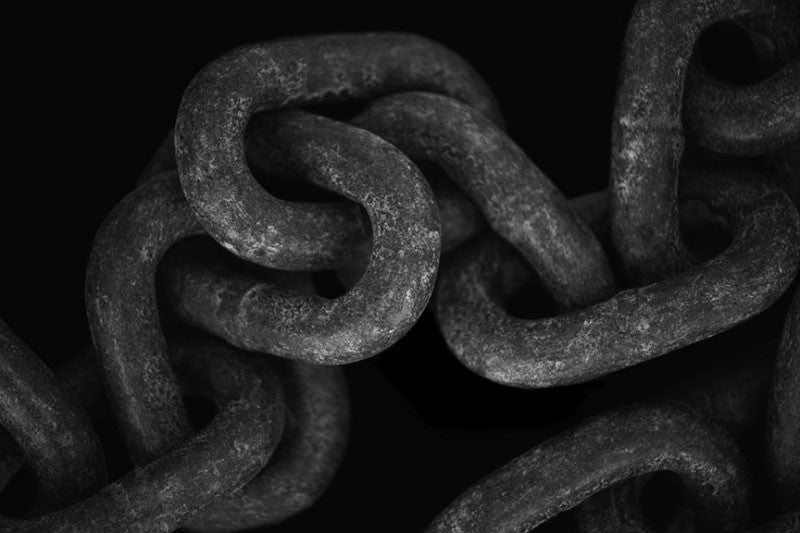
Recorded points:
(201, 282)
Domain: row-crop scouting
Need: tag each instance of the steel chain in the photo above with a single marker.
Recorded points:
(237, 319)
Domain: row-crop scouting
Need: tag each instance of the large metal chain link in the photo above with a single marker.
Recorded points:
(199, 283)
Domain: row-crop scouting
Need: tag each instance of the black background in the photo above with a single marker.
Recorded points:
(94, 92)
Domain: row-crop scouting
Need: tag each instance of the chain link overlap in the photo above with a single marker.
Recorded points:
(200, 283)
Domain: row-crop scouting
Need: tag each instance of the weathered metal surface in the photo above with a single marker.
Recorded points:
(123, 315)
(733, 393)
(311, 445)
(520, 203)
(308, 455)
(628, 279)
(647, 129)
(387, 299)
(560, 473)
(222, 97)
(167, 492)
(635, 324)
(51, 431)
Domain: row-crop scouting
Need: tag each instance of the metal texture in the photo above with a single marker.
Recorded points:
(124, 319)
(52, 432)
(757, 118)
(519, 202)
(648, 133)
(635, 324)
(388, 298)
(310, 449)
(165, 493)
(733, 393)
(784, 413)
(223, 96)
(309, 452)
(564, 471)
(201, 281)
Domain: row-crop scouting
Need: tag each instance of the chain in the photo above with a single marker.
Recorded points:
(200, 283)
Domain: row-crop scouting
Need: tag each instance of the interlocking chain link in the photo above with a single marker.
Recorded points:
(199, 283)
(222, 97)
(647, 132)
(567, 469)
(633, 325)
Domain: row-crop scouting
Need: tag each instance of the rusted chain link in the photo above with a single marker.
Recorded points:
(167, 492)
(219, 101)
(636, 324)
(303, 464)
(388, 298)
(124, 320)
(732, 394)
(519, 202)
(564, 471)
(309, 453)
(747, 121)
(53, 433)
(647, 131)
(235, 260)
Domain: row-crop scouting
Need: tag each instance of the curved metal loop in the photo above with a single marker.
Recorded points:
(259, 462)
(222, 97)
(520, 203)
(165, 494)
(80, 378)
(123, 315)
(636, 324)
(388, 298)
(748, 120)
(618, 509)
(52, 432)
(307, 457)
(304, 462)
(561, 472)
(756, 118)
(460, 219)
(783, 427)
(647, 133)
(733, 395)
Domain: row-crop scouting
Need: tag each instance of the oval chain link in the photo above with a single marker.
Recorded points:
(199, 283)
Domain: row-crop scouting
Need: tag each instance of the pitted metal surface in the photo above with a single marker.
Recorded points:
(204, 281)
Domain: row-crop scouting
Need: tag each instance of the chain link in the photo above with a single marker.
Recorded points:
(200, 283)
